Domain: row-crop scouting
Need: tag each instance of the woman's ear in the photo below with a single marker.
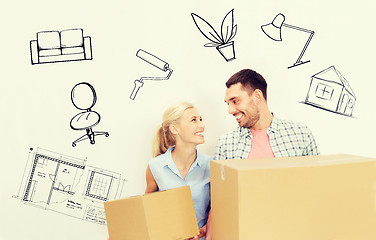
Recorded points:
(173, 129)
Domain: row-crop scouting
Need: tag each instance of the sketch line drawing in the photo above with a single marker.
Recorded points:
(274, 31)
(223, 42)
(329, 90)
(84, 97)
(56, 182)
(156, 62)
(60, 46)
(99, 185)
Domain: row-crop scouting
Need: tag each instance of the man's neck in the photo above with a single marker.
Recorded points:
(264, 122)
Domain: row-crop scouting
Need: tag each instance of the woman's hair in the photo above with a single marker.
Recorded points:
(163, 138)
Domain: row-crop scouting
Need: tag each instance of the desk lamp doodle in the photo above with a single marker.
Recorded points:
(274, 31)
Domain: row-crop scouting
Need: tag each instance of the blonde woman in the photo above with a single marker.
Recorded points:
(177, 163)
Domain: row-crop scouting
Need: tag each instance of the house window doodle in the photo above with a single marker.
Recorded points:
(330, 91)
(99, 185)
(56, 182)
(324, 91)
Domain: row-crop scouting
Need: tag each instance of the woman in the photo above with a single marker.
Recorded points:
(177, 163)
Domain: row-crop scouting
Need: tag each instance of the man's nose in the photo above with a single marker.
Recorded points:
(231, 109)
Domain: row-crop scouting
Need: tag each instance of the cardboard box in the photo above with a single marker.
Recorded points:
(160, 215)
(310, 198)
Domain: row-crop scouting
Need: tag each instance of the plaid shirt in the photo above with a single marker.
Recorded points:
(287, 139)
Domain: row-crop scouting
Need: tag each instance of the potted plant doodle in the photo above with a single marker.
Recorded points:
(221, 42)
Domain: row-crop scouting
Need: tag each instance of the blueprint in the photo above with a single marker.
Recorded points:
(67, 185)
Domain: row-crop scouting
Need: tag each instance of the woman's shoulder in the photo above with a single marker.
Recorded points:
(160, 159)
(204, 158)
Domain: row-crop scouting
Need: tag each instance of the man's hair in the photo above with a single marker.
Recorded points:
(250, 80)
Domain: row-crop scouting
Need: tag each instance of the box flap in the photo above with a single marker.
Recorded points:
(291, 162)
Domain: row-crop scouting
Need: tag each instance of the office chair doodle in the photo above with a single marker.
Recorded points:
(84, 97)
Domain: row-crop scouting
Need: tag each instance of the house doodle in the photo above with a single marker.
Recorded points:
(330, 91)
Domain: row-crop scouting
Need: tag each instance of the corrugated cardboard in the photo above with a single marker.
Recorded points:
(301, 198)
(161, 215)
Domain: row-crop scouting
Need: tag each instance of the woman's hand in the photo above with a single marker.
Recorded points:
(202, 234)
(205, 231)
(209, 231)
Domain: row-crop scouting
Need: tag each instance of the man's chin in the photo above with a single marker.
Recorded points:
(241, 124)
(244, 125)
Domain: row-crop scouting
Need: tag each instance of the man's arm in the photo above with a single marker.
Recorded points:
(312, 148)
(219, 153)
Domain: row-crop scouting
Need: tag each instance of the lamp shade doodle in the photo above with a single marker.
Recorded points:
(273, 29)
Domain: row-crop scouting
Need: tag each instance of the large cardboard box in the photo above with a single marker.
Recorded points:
(161, 215)
(299, 198)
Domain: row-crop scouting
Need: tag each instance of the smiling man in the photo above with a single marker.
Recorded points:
(259, 134)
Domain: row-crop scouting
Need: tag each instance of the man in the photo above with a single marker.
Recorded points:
(260, 134)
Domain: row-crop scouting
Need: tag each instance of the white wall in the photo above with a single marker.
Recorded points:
(35, 101)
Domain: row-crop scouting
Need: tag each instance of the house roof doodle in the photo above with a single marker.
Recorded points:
(331, 74)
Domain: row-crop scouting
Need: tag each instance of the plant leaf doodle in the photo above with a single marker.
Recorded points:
(227, 26)
(206, 29)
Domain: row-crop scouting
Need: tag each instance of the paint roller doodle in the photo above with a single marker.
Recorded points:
(156, 62)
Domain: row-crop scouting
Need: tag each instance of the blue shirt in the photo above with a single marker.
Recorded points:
(168, 176)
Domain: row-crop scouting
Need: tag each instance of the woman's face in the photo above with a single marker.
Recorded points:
(190, 128)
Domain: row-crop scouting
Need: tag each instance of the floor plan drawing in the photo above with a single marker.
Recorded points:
(67, 185)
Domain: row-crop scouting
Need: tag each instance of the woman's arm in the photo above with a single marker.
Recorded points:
(209, 228)
(151, 184)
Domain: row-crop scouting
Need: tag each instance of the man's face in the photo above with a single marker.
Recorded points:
(242, 105)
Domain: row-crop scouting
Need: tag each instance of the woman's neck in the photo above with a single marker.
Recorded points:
(184, 156)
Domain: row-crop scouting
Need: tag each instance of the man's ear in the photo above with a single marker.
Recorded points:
(258, 95)
(173, 129)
